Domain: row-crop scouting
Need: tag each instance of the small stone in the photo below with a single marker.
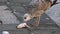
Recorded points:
(47, 18)
(5, 32)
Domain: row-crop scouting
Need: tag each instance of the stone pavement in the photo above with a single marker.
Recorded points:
(46, 27)
(6, 16)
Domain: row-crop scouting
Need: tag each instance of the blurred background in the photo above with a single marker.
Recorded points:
(11, 12)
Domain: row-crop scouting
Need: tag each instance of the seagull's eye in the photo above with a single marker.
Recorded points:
(24, 17)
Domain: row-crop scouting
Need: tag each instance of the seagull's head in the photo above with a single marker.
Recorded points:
(27, 17)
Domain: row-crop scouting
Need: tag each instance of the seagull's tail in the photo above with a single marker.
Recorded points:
(55, 2)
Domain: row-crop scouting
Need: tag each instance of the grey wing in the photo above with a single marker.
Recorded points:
(32, 4)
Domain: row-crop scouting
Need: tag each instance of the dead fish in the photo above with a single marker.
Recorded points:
(23, 25)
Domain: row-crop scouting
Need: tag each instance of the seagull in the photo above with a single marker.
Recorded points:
(35, 9)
